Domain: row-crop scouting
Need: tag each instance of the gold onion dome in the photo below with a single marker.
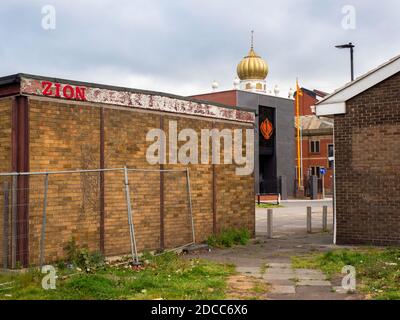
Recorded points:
(252, 67)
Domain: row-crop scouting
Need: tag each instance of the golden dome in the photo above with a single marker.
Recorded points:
(252, 67)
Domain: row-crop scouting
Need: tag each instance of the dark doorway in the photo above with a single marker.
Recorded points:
(267, 151)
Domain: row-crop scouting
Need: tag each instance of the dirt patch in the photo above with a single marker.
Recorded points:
(242, 287)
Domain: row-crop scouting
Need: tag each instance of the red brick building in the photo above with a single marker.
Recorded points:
(367, 156)
(316, 137)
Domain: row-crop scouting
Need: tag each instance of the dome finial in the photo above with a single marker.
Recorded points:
(252, 66)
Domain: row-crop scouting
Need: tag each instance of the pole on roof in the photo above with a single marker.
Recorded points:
(350, 46)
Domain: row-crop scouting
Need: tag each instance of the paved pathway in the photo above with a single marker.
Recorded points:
(269, 260)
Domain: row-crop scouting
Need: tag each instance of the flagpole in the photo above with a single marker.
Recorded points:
(301, 148)
(298, 133)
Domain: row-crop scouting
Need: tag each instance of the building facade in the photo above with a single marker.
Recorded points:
(49, 124)
(367, 156)
(274, 156)
(274, 131)
(316, 141)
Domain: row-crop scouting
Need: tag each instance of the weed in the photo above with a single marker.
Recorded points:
(82, 257)
(377, 270)
(167, 276)
(268, 205)
(229, 237)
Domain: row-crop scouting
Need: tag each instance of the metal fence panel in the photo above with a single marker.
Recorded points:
(114, 211)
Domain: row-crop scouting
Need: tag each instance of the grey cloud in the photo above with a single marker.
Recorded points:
(182, 45)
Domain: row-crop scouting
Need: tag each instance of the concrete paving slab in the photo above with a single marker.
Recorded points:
(314, 283)
(273, 277)
(308, 274)
(279, 289)
(313, 277)
(286, 282)
(279, 271)
(308, 271)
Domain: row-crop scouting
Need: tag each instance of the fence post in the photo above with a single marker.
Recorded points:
(130, 222)
(309, 227)
(14, 222)
(5, 225)
(42, 236)
(269, 223)
(325, 218)
(190, 203)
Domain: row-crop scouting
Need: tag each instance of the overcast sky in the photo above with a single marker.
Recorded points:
(181, 46)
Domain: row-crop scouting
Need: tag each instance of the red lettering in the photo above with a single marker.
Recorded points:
(58, 86)
(46, 85)
(80, 93)
(68, 92)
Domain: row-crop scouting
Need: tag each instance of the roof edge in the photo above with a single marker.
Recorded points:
(363, 83)
(16, 78)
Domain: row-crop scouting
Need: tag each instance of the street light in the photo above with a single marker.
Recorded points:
(351, 47)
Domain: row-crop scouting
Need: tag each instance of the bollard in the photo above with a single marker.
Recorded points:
(308, 219)
(314, 187)
(269, 223)
(325, 218)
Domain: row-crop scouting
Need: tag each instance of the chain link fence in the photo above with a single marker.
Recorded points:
(113, 211)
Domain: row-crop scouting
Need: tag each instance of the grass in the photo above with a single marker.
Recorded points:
(229, 237)
(268, 205)
(377, 270)
(167, 276)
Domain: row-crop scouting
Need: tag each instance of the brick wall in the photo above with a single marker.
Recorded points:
(233, 192)
(67, 136)
(64, 137)
(5, 134)
(305, 102)
(125, 144)
(5, 158)
(367, 142)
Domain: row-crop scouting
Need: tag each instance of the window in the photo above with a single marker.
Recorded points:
(314, 171)
(330, 156)
(314, 146)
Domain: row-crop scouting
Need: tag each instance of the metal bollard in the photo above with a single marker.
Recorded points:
(269, 223)
(325, 218)
(309, 230)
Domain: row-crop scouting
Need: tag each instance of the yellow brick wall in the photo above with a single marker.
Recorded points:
(234, 210)
(125, 145)
(5, 158)
(67, 136)
(64, 137)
